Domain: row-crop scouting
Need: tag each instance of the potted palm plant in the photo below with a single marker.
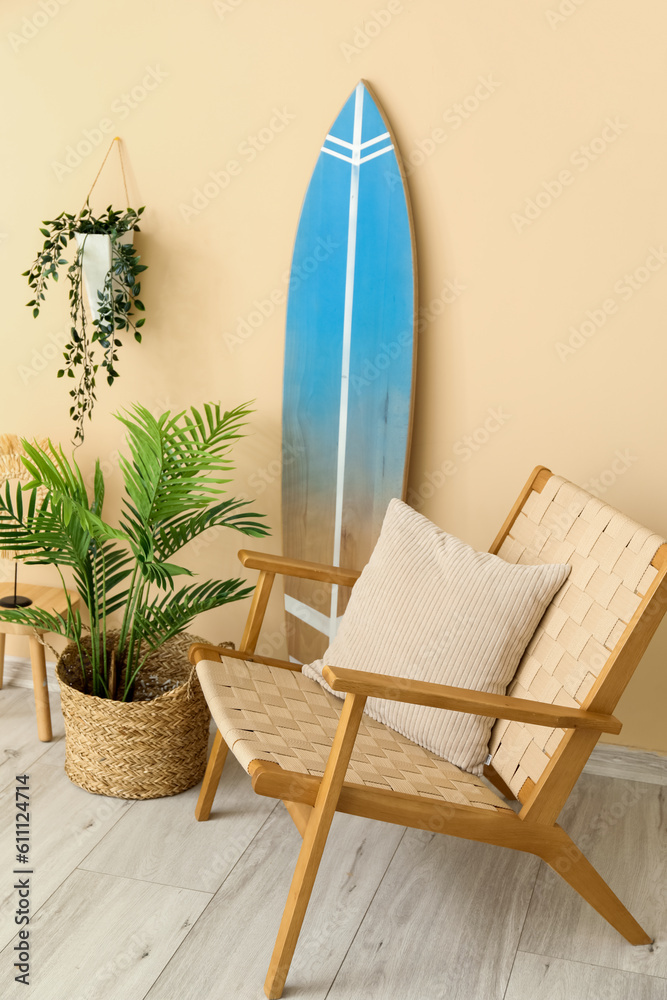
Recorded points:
(108, 266)
(136, 721)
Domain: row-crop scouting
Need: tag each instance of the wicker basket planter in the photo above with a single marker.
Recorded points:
(142, 749)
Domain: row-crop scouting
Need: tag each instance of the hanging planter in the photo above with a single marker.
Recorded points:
(96, 251)
(108, 267)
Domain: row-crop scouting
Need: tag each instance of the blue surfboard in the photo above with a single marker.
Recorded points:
(349, 362)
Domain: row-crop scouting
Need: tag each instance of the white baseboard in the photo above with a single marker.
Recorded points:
(628, 763)
(18, 673)
(608, 760)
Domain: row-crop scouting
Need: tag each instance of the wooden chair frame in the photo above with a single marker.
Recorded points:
(312, 801)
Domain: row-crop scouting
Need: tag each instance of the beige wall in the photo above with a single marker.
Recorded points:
(538, 90)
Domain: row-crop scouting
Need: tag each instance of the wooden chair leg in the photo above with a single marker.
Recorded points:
(492, 775)
(40, 684)
(216, 762)
(578, 872)
(2, 657)
(314, 840)
(300, 813)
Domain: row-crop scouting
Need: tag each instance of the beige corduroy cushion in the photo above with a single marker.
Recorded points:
(429, 607)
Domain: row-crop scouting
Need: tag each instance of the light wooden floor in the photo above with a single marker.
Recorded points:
(137, 900)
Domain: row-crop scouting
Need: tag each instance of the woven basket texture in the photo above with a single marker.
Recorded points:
(138, 749)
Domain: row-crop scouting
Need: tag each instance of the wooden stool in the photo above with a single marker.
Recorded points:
(48, 599)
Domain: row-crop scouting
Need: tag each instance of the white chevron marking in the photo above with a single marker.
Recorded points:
(339, 156)
(371, 142)
(341, 142)
(379, 152)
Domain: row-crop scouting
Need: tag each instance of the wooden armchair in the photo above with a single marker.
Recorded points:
(318, 754)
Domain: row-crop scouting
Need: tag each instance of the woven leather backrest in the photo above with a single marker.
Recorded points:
(611, 571)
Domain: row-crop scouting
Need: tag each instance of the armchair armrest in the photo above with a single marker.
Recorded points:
(299, 567)
(268, 566)
(458, 699)
(204, 651)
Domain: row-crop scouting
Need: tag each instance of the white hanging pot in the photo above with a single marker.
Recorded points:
(96, 261)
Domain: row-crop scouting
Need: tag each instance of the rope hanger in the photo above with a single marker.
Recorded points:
(122, 168)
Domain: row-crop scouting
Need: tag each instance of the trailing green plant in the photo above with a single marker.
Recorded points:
(117, 303)
(174, 477)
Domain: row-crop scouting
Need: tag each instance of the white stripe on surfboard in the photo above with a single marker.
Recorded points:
(364, 159)
(341, 142)
(347, 341)
(371, 142)
(308, 615)
(339, 156)
(379, 152)
(348, 145)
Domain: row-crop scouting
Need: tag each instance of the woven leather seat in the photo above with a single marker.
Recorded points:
(267, 713)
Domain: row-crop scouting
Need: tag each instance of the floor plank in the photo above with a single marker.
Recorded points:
(535, 977)
(621, 827)
(444, 925)
(65, 824)
(159, 840)
(409, 916)
(244, 915)
(19, 745)
(55, 751)
(100, 937)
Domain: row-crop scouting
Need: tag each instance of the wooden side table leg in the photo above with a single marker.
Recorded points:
(38, 661)
(2, 657)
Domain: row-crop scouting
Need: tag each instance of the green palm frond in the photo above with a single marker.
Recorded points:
(111, 567)
(165, 617)
(46, 621)
(36, 530)
(177, 462)
(14, 518)
(64, 480)
(214, 427)
(176, 470)
(172, 535)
